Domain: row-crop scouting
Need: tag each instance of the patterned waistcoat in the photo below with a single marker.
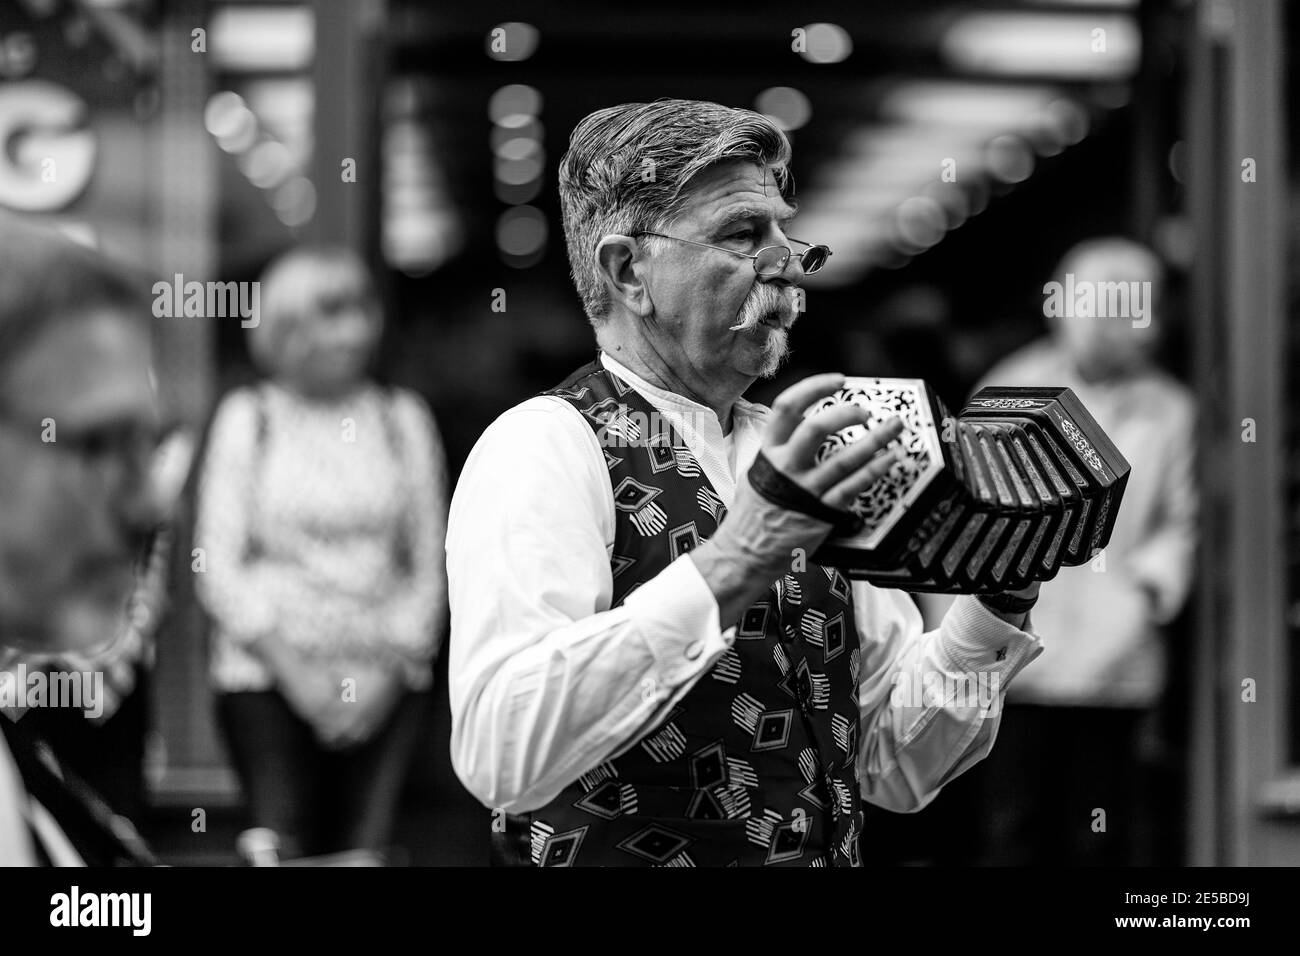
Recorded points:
(757, 763)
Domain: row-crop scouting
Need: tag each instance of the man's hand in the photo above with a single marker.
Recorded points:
(791, 440)
(756, 542)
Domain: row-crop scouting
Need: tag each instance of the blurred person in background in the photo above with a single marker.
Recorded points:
(321, 514)
(79, 507)
(1077, 719)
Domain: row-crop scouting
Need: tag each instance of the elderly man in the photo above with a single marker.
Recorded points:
(77, 424)
(645, 667)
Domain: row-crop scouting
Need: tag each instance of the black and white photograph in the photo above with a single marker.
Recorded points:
(494, 435)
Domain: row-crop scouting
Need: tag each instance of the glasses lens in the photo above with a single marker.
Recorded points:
(814, 259)
(771, 261)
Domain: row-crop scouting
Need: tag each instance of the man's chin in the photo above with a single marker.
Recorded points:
(775, 351)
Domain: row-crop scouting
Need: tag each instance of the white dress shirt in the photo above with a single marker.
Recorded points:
(547, 682)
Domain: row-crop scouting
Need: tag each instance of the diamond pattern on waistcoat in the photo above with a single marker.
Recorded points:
(656, 843)
(638, 501)
(788, 841)
(834, 638)
(683, 539)
(754, 622)
(661, 457)
(709, 766)
(631, 495)
(839, 584)
(609, 800)
(773, 730)
(552, 849)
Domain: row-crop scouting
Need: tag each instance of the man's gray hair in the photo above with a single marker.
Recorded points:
(628, 166)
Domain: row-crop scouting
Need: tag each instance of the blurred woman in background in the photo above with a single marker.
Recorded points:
(320, 527)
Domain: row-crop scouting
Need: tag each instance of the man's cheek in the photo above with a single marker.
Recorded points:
(56, 528)
(729, 307)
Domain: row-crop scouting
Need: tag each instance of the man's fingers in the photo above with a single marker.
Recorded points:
(844, 493)
(848, 460)
(812, 431)
(787, 410)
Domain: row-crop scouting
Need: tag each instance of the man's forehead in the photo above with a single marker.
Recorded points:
(95, 367)
(737, 187)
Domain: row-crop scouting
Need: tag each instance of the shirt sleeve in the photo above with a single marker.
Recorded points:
(546, 681)
(930, 702)
(415, 611)
(227, 581)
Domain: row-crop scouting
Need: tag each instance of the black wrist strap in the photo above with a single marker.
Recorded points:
(1007, 603)
(786, 493)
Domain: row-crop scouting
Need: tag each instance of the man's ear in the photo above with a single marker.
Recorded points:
(619, 260)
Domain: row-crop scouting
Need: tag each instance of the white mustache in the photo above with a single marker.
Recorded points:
(765, 299)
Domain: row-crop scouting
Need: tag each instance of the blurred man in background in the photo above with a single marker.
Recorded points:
(78, 433)
(1070, 744)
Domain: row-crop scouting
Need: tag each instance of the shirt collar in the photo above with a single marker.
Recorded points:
(687, 407)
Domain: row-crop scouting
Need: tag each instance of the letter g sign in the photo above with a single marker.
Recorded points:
(47, 153)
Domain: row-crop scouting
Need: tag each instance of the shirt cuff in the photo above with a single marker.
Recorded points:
(973, 637)
(677, 615)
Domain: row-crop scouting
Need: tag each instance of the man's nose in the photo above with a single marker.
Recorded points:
(140, 506)
(791, 273)
(352, 327)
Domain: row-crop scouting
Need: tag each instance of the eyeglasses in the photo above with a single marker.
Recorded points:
(770, 260)
(132, 444)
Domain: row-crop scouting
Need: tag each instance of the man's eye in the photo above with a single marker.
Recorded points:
(746, 235)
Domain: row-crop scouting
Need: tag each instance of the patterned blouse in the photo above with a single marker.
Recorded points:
(323, 522)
